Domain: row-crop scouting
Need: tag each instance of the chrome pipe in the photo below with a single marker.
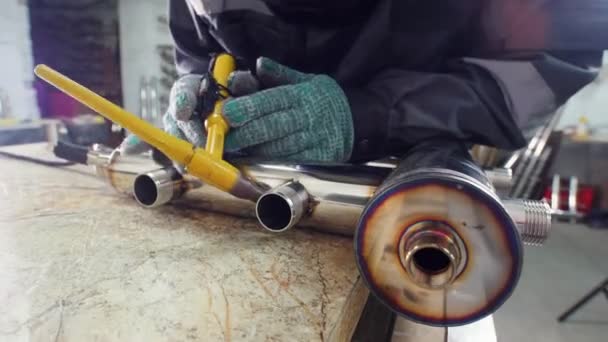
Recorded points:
(336, 193)
(158, 187)
(283, 207)
(117, 170)
(150, 183)
(501, 179)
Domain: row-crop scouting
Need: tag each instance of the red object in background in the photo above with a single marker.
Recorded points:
(584, 197)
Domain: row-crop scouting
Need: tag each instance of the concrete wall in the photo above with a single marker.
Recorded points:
(592, 102)
(140, 33)
(16, 65)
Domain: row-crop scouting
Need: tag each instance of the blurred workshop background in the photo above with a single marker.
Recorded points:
(122, 50)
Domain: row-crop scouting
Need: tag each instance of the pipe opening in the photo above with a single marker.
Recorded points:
(432, 254)
(431, 260)
(274, 212)
(145, 191)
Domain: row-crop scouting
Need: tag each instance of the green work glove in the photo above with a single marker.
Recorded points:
(298, 117)
(183, 100)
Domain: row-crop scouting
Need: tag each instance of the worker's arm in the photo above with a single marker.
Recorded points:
(193, 43)
(488, 102)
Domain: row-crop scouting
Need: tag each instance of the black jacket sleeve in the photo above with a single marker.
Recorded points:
(193, 43)
(490, 102)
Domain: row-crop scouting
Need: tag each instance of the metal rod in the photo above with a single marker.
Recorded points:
(600, 288)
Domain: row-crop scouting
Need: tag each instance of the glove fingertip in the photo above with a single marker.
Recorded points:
(242, 83)
(132, 145)
(184, 97)
(272, 74)
(185, 104)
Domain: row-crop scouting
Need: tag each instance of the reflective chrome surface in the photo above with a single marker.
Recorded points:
(501, 179)
(337, 193)
(117, 170)
(281, 208)
(158, 187)
(432, 253)
(532, 218)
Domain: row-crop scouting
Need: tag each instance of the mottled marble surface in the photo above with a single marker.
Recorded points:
(79, 262)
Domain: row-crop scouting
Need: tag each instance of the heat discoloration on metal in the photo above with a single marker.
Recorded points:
(493, 255)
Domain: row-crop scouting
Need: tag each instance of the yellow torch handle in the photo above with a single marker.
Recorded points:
(216, 125)
(198, 162)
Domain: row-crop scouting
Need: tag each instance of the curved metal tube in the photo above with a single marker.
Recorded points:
(337, 194)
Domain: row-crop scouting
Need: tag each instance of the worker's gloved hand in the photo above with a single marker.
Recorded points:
(185, 97)
(299, 117)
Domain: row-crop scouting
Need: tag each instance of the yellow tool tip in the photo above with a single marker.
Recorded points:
(40, 68)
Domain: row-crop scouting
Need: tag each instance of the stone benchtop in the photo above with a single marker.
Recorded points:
(79, 262)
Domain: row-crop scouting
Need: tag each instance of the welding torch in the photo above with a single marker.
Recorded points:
(206, 164)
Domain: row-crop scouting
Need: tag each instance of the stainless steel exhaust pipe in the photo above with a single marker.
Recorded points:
(117, 170)
(158, 187)
(433, 241)
(148, 182)
(337, 193)
(282, 207)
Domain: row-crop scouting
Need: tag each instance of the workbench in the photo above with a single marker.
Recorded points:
(80, 262)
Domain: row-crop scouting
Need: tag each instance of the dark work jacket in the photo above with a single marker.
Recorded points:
(411, 69)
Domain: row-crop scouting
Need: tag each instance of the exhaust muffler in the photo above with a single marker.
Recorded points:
(437, 245)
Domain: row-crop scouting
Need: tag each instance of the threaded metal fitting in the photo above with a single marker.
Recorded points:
(532, 218)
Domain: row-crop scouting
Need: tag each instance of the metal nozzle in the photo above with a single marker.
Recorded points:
(159, 187)
(432, 254)
(532, 218)
(282, 208)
